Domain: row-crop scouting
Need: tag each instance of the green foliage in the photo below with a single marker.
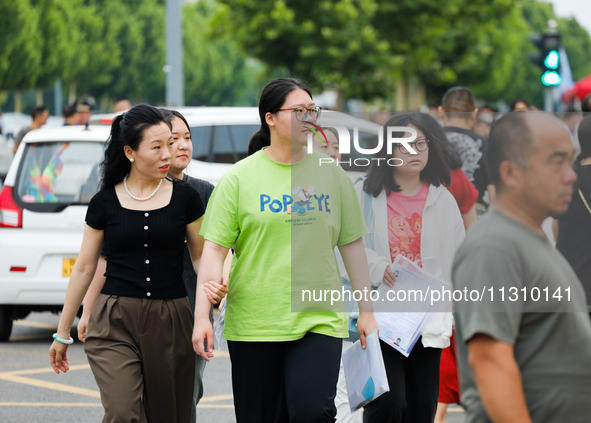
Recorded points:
(323, 42)
(53, 43)
(112, 48)
(20, 57)
(577, 44)
(217, 72)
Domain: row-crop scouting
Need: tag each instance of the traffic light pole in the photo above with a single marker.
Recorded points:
(548, 58)
(548, 107)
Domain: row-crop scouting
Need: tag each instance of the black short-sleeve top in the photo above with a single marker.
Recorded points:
(144, 248)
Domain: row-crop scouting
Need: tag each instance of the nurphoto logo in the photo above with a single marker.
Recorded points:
(345, 144)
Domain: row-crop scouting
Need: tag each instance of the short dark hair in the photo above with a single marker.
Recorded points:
(69, 110)
(452, 155)
(584, 133)
(272, 98)
(38, 111)
(586, 104)
(436, 172)
(128, 129)
(458, 100)
(509, 139)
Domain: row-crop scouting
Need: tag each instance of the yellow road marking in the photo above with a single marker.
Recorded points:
(51, 385)
(50, 404)
(221, 353)
(216, 398)
(455, 410)
(47, 369)
(214, 406)
(35, 324)
(85, 404)
(16, 377)
(23, 352)
(28, 338)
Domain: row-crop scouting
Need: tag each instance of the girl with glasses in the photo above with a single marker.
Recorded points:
(283, 214)
(413, 215)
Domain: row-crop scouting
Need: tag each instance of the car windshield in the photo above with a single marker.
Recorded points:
(53, 175)
(221, 143)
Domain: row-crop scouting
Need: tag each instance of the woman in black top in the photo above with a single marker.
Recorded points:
(139, 339)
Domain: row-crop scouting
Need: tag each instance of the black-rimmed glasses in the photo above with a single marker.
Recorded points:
(419, 145)
(303, 114)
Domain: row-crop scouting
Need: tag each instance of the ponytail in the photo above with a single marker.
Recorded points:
(259, 140)
(127, 129)
(115, 165)
(272, 98)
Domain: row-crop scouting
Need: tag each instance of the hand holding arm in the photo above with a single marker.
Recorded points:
(215, 291)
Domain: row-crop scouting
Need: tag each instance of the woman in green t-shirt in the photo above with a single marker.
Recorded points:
(283, 213)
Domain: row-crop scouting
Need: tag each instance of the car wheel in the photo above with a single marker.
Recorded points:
(5, 324)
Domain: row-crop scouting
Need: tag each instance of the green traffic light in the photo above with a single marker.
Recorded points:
(551, 78)
(552, 60)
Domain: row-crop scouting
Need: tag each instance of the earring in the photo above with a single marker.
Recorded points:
(131, 160)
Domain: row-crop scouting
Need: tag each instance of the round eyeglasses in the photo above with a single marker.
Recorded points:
(303, 114)
(419, 145)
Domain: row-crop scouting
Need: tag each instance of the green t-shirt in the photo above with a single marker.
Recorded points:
(283, 222)
(549, 331)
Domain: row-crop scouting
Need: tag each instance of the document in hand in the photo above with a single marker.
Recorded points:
(365, 373)
(403, 310)
(219, 342)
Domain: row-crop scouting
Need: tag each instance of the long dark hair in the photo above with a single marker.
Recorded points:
(127, 129)
(453, 157)
(178, 114)
(272, 98)
(380, 176)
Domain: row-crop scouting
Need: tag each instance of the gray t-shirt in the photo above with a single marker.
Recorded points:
(551, 336)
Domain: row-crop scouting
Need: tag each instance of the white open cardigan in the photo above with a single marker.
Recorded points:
(442, 233)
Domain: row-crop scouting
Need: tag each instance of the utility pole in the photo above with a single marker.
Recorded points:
(175, 83)
(548, 58)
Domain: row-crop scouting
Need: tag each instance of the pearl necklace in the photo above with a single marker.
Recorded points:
(140, 198)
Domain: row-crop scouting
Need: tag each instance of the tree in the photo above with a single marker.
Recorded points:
(138, 32)
(20, 57)
(217, 71)
(577, 44)
(53, 46)
(96, 52)
(324, 42)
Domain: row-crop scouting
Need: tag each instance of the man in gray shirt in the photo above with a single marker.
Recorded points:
(524, 347)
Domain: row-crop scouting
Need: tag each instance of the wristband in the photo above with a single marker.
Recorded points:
(63, 341)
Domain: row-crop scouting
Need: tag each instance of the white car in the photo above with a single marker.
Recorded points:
(42, 208)
(5, 157)
(54, 174)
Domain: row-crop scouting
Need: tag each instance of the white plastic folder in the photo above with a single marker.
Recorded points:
(365, 373)
(219, 342)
